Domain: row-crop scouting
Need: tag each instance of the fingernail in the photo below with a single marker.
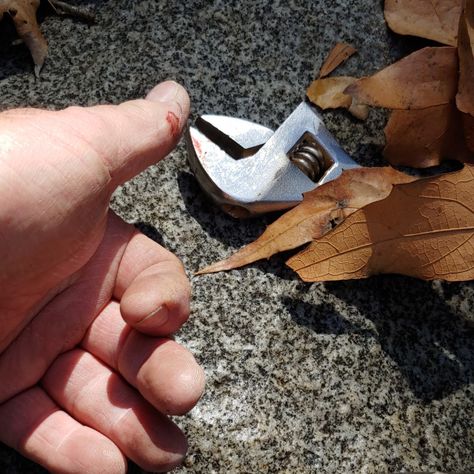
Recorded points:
(156, 318)
(164, 92)
(175, 96)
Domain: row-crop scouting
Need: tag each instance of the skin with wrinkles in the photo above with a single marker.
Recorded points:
(88, 373)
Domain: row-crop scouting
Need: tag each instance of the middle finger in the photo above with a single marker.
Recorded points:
(163, 371)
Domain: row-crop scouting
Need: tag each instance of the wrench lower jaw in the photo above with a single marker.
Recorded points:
(255, 209)
(237, 212)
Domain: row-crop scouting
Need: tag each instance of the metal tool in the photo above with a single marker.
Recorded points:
(248, 169)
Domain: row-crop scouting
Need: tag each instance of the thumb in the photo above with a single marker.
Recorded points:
(136, 134)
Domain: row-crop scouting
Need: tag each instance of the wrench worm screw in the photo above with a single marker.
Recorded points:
(310, 160)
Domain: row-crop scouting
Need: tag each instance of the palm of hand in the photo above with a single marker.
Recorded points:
(85, 300)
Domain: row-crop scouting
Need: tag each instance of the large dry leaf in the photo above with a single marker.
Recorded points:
(424, 229)
(339, 54)
(23, 13)
(321, 210)
(425, 78)
(432, 19)
(465, 95)
(328, 93)
(425, 137)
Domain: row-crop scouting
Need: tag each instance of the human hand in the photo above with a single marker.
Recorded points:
(88, 372)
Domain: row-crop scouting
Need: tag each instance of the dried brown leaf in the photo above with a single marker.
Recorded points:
(339, 54)
(23, 13)
(423, 229)
(425, 78)
(328, 93)
(465, 95)
(432, 19)
(425, 137)
(320, 211)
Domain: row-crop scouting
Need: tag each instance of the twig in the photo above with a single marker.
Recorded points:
(66, 9)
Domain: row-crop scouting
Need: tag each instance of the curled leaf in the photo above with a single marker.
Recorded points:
(23, 13)
(425, 137)
(425, 78)
(465, 95)
(321, 210)
(328, 93)
(432, 19)
(423, 229)
(339, 54)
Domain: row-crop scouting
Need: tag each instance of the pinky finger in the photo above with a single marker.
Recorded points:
(37, 428)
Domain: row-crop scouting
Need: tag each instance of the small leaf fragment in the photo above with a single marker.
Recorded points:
(431, 19)
(339, 54)
(465, 95)
(423, 229)
(425, 137)
(321, 210)
(425, 78)
(328, 93)
(360, 111)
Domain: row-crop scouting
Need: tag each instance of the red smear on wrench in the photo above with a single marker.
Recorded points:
(197, 147)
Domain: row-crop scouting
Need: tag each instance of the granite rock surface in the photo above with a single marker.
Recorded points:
(369, 376)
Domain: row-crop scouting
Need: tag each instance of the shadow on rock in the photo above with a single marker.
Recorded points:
(322, 318)
(216, 223)
(14, 59)
(432, 345)
(150, 231)
(233, 232)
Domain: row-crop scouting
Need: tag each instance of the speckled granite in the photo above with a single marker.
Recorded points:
(370, 376)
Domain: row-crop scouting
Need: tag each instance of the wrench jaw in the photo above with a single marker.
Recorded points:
(215, 193)
(244, 184)
(196, 146)
(220, 174)
(204, 157)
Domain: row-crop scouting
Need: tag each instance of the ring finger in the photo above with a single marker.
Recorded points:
(98, 397)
